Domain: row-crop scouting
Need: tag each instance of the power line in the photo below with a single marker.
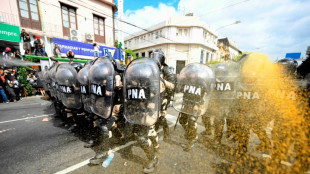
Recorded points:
(108, 25)
(231, 5)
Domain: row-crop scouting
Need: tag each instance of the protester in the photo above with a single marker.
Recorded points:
(9, 85)
(57, 51)
(2, 86)
(96, 50)
(7, 54)
(17, 55)
(16, 88)
(39, 46)
(31, 79)
(70, 55)
(39, 85)
(26, 41)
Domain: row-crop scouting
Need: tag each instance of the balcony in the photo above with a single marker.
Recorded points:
(9, 18)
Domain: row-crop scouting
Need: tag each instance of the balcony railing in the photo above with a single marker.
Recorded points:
(9, 18)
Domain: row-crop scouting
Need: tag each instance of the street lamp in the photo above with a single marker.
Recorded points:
(236, 22)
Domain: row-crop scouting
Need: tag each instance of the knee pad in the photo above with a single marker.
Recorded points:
(183, 119)
(144, 142)
(105, 131)
(192, 122)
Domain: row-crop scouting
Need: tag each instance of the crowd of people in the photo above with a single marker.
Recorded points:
(12, 90)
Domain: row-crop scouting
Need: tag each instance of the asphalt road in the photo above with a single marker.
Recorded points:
(30, 145)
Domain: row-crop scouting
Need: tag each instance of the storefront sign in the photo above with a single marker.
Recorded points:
(9, 32)
(85, 49)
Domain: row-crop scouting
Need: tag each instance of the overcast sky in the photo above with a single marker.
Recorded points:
(273, 27)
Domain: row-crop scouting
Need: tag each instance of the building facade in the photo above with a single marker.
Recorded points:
(85, 21)
(183, 39)
(227, 50)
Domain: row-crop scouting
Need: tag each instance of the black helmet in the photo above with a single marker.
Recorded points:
(116, 63)
(221, 70)
(289, 64)
(159, 56)
(77, 66)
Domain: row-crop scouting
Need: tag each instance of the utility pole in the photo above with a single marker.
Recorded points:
(120, 23)
(120, 28)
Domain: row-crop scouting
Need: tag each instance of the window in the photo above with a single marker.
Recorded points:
(137, 54)
(207, 56)
(29, 14)
(143, 54)
(68, 19)
(150, 53)
(182, 32)
(99, 29)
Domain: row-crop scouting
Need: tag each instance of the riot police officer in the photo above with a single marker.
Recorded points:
(105, 84)
(168, 81)
(222, 97)
(193, 91)
(69, 91)
(142, 105)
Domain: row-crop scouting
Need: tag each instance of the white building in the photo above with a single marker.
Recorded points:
(85, 21)
(183, 39)
(227, 50)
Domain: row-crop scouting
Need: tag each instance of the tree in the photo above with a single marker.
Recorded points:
(133, 55)
(116, 44)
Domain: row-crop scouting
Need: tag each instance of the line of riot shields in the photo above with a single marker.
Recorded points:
(125, 103)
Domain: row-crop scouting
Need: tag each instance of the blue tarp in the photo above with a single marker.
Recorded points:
(86, 49)
(293, 55)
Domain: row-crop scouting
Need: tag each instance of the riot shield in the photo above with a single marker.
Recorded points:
(141, 90)
(101, 81)
(54, 86)
(66, 78)
(82, 78)
(224, 93)
(193, 90)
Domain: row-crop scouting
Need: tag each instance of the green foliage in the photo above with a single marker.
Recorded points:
(116, 44)
(237, 58)
(214, 62)
(133, 55)
(22, 71)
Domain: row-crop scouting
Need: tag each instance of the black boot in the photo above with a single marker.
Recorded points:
(166, 130)
(99, 158)
(150, 165)
(89, 144)
(190, 145)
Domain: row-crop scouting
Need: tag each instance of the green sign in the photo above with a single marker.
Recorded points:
(9, 32)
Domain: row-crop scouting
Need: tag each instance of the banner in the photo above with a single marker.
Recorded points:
(293, 55)
(85, 49)
(9, 32)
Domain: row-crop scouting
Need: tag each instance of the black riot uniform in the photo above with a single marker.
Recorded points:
(193, 91)
(221, 101)
(82, 78)
(69, 91)
(54, 90)
(142, 105)
(168, 81)
(105, 85)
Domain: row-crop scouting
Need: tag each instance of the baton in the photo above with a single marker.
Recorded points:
(177, 121)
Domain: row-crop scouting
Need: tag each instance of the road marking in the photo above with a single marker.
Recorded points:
(169, 117)
(27, 118)
(2, 131)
